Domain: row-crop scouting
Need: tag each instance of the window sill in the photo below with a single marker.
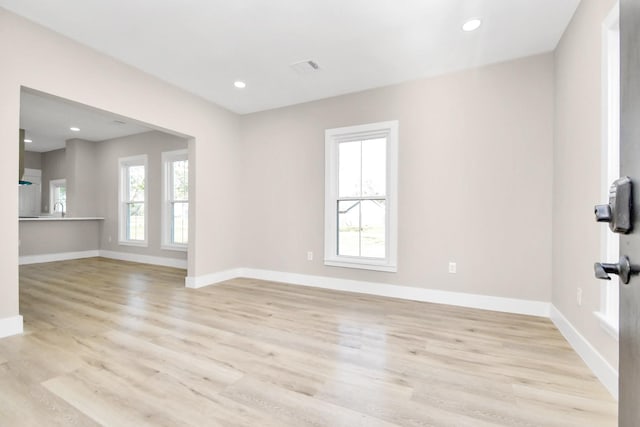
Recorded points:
(179, 248)
(361, 265)
(607, 325)
(132, 243)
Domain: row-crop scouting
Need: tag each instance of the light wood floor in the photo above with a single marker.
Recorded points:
(123, 344)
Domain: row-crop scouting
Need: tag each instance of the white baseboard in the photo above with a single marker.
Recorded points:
(123, 256)
(484, 302)
(145, 259)
(62, 256)
(607, 375)
(195, 282)
(10, 326)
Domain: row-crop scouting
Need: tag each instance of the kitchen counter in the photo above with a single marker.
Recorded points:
(50, 235)
(57, 218)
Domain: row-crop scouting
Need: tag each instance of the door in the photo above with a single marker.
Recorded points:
(629, 368)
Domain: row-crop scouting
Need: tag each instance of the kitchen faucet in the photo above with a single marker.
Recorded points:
(61, 208)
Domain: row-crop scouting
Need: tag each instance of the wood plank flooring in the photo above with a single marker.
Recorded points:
(122, 344)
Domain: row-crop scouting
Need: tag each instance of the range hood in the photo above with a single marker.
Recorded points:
(21, 160)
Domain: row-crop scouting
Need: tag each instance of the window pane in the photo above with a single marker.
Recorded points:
(60, 193)
(374, 167)
(135, 221)
(180, 180)
(180, 222)
(349, 169)
(349, 228)
(372, 236)
(59, 196)
(136, 183)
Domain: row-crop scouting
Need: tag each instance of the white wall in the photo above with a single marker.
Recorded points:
(577, 174)
(40, 59)
(475, 180)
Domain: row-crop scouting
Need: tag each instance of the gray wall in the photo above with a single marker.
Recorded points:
(475, 180)
(577, 173)
(47, 237)
(92, 174)
(32, 160)
(108, 153)
(83, 188)
(54, 166)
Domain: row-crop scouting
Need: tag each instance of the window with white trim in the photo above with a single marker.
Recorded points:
(133, 218)
(175, 200)
(609, 291)
(361, 196)
(58, 196)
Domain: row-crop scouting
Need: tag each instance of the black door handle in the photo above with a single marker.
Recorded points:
(623, 269)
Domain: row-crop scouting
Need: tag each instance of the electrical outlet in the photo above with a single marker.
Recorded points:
(452, 267)
(579, 296)
(309, 256)
(109, 239)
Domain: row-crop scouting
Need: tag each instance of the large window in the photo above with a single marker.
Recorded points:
(133, 201)
(175, 212)
(360, 196)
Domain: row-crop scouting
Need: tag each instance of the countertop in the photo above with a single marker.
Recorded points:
(57, 218)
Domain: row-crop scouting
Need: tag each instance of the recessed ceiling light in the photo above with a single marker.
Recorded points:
(471, 25)
(28, 141)
(74, 129)
(239, 84)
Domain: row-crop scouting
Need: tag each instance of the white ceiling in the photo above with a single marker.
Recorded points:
(47, 119)
(204, 45)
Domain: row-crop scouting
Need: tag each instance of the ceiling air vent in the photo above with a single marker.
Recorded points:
(305, 67)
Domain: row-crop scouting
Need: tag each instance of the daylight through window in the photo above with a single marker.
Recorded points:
(133, 197)
(176, 200)
(360, 208)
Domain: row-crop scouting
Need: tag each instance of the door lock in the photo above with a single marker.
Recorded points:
(618, 211)
(623, 269)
